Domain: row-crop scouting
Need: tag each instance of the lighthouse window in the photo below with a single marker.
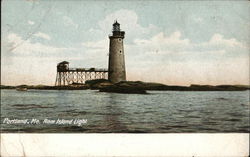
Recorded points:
(120, 51)
(119, 40)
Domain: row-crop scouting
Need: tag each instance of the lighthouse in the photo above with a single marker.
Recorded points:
(116, 67)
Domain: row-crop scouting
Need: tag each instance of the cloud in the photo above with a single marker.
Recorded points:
(198, 19)
(102, 44)
(176, 44)
(31, 62)
(127, 18)
(31, 22)
(232, 71)
(162, 39)
(218, 39)
(129, 23)
(96, 53)
(42, 35)
(69, 22)
(174, 59)
(21, 46)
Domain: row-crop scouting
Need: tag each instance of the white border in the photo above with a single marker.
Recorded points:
(62, 145)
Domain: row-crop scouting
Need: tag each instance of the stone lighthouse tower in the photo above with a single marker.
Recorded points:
(116, 69)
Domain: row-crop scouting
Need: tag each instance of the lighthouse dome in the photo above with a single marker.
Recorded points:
(116, 26)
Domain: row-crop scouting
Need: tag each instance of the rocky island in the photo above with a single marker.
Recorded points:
(131, 87)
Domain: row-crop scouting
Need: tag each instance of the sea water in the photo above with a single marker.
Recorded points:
(90, 111)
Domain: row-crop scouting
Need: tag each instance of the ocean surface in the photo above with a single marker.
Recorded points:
(90, 111)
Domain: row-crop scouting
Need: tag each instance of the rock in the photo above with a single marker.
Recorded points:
(98, 84)
(132, 87)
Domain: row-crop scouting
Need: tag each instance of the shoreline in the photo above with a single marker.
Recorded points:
(136, 87)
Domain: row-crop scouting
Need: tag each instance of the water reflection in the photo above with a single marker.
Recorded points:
(115, 113)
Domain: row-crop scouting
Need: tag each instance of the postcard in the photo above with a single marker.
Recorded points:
(125, 74)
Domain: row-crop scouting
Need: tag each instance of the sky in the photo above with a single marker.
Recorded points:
(170, 42)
